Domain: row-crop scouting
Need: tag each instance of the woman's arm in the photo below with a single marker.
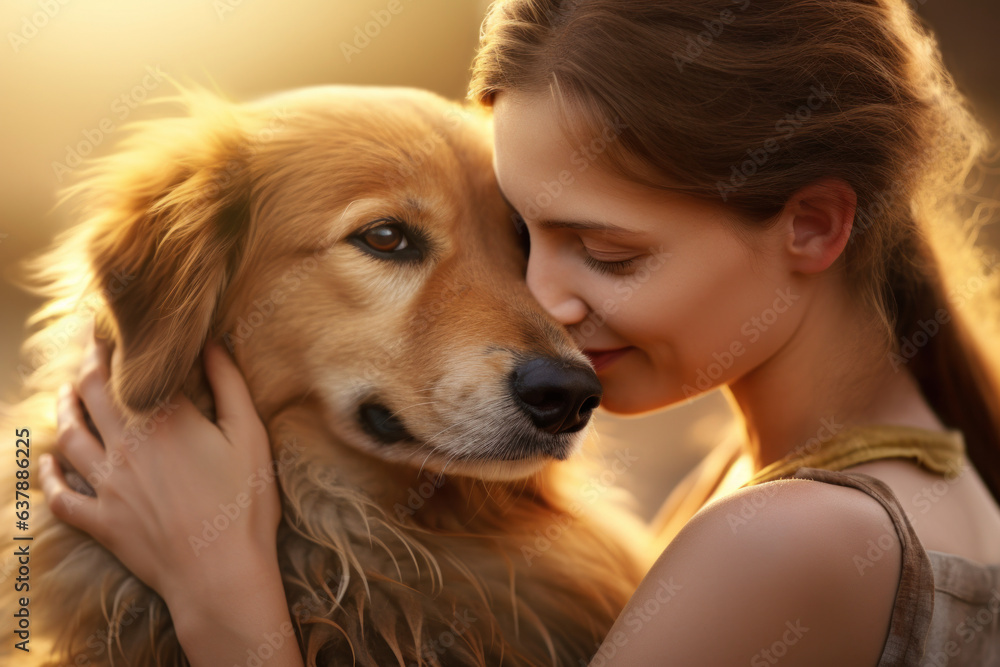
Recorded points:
(225, 595)
(243, 610)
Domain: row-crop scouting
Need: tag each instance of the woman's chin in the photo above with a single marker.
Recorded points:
(633, 397)
(626, 406)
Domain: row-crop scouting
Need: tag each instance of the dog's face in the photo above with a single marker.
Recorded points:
(351, 248)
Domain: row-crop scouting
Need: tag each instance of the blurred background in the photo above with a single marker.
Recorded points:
(73, 71)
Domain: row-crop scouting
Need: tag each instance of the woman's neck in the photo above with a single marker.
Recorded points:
(831, 373)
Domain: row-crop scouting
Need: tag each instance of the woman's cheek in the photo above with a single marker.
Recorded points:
(623, 291)
(687, 328)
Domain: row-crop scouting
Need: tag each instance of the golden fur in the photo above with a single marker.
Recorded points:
(232, 221)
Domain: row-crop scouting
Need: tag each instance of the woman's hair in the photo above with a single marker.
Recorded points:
(745, 102)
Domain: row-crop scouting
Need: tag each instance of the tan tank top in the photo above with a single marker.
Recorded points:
(947, 607)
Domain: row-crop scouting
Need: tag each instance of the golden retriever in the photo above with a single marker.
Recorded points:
(351, 248)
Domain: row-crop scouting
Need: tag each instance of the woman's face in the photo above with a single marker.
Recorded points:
(659, 276)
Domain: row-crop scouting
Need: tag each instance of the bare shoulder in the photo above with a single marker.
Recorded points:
(795, 570)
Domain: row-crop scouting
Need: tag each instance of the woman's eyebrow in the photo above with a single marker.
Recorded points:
(578, 225)
(582, 225)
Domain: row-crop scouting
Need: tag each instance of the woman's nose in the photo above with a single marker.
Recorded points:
(552, 287)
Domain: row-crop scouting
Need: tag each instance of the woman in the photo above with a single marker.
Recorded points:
(798, 165)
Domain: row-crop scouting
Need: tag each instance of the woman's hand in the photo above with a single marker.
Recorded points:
(190, 507)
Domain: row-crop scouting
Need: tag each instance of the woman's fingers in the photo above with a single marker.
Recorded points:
(92, 387)
(83, 451)
(66, 504)
(233, 405)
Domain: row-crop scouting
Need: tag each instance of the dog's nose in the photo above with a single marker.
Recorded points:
(559, 397)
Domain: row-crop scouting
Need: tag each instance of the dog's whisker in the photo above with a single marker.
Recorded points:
(420, 470)
(434, 448)
(430, 439)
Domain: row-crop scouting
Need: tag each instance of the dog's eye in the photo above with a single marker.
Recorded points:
(386, 239)
(391, 239)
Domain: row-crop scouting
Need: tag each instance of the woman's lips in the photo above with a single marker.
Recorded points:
(601, 358)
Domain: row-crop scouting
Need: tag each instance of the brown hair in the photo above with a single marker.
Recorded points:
(746, 101)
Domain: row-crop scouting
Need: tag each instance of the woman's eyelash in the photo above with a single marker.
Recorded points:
(618, 267)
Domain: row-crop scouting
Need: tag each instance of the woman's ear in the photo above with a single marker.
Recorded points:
(818, 220)
(169, 216)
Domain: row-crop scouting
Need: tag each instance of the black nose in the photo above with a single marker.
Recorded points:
(559, 397)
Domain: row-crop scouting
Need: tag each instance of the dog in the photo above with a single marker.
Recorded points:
(350, 247)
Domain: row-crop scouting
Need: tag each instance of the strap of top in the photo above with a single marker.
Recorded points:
(942, 452)
(914, 604)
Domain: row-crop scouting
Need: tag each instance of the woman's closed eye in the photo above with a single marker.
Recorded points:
(607, 266)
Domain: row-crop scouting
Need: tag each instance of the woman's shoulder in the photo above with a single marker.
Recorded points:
(825, 537)
(785, 569)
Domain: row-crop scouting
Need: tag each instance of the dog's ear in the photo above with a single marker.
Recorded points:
(170, 214)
